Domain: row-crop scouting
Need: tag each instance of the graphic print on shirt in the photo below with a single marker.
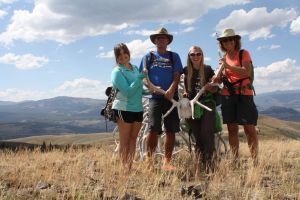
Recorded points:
(195, 83)
(161, 62)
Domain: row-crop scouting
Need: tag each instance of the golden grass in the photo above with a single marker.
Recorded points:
(96, 173)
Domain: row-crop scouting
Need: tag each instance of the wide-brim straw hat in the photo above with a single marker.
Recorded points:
(227, 33)
(159, 32)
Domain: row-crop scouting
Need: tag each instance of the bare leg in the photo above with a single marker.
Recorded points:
(169, 146)
(233, 130)
(135, 128)
(151, 144)
(251, 134)
(124, 135)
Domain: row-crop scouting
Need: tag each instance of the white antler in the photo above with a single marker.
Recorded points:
(195, 99)
(158, 90)
(220, 69)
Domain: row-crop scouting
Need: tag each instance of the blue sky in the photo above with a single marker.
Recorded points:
(54, 48)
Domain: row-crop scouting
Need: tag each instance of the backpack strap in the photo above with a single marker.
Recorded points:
(171, 57)
(252, 70)
(241, 57)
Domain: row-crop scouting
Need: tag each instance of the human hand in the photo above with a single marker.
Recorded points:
(216, 79)
(169, 94)
(210, 87)
(185, 94)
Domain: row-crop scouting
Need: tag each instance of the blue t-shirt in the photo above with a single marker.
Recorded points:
(129, 84)
(161, 70)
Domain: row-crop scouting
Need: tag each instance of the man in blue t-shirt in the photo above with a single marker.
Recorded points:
(164, 70)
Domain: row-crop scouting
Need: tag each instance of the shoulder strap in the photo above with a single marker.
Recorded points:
(171, 57)
(151, 59)
(241, 57)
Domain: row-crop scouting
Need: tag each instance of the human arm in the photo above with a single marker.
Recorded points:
(171, 90)
(121, 83)
(177, 71)
(245, 69)
(185, 82)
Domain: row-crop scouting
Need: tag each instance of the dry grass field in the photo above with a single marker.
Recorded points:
(96, 173)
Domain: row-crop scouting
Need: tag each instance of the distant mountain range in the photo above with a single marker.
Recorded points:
(280, 104)
(55, 116)
(65, 115)
(287, 99)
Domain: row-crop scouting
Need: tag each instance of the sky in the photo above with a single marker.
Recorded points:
(52, 48)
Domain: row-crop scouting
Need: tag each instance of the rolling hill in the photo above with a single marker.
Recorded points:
(69, 115)
(56, 116)
(268, 129)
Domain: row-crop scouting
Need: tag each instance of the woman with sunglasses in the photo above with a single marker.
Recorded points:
(196, 76)
(238, 107)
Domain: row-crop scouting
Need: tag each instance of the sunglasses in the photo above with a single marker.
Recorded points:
(195, 54)
(227, 39)
(161, 37)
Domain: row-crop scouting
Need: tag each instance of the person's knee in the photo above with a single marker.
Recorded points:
(250, 131)
(170, 135)
(233, 128)
(152, 138)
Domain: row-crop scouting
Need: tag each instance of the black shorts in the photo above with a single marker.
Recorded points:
(129, 117)
(157, 108)
(239, 109)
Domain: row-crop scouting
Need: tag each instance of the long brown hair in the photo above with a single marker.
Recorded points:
(118, 48)
(238, 44)
(190, 69)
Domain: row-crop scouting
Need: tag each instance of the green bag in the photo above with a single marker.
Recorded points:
(218, 123)
(198, 111)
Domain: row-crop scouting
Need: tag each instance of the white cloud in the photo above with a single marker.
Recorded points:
(295, 26)
(65, 21)
(25, 62)
(207, 59)
(7, 1)
(188, 29)
(14, 94)
(280, 75)
(137, 48)
(270, 47)
(80, 83)
(258, 22)
(143, 32)
(2, 13)
(80, 87)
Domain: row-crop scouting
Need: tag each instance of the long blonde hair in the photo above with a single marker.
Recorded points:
(190, 69)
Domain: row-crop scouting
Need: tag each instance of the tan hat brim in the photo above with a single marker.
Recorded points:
(152, 37)
(222, 38)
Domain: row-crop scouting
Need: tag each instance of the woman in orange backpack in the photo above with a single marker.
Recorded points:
(238, 107)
